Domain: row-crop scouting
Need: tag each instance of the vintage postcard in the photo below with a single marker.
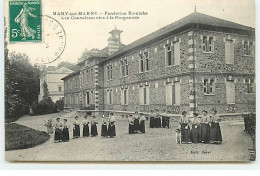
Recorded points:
(130, 80)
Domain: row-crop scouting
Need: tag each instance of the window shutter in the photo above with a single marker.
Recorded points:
(230, 91)
(168, 95)
(176, 60)
(122, 96)
(141, 96)
(177, 93)
(147, 95)
(229, 51)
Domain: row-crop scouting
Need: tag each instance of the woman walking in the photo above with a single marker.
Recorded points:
(111, 126)
(142, 123)
(58, 131)
(215, 131)
(76, 128)
(65, 131)
(131, 124)
(205, 127)
(94, 127)
(103, 127)
(185, 128)
(196, 134)
(136, 122)
(85, 126)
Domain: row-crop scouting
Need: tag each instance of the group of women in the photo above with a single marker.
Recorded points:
(204, 129)
(136, 123)
(62, 129)
(159, 120)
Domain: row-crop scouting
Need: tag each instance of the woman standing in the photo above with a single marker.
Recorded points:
(111, 126)
(131, 124)
(196, 135)
(76, 128)
(152, 121)
(205, 127)
(65, 131)
(94, 127)
(215, 131)
(136, 122)
(103, 127)
(58, 131)
(142, 123)
(85, 127)
(185, 128)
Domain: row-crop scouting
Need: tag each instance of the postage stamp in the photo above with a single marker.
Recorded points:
(25, 21)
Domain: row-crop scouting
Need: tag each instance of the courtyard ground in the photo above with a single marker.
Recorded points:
(157, 144)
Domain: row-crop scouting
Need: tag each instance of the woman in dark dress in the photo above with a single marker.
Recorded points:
(94, 127)
(196, 134)
(142, 123)
(58, 131)
(152, 121)
(205, 127)
(65, 131)
(103, 127)
(111, 126)
(185, 128)
(136, 122)
(215, 131)
(131, 124)
(158, 122)
(76, 128)
(85, 127)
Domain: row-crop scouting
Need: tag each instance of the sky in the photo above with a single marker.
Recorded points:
(88, 34)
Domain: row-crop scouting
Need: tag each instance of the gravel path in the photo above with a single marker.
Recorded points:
(154, 145)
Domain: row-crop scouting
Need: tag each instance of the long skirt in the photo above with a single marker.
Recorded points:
(85, 130)
(104, 130)
(142, 126)
(215, 133)
(151, 122)
(131, 129)
(158, 122)
(76, 131)
(65, 135)
(205, 133)
(58, 134)
(94, 130)
(163, 121)
(196, 134)
(136, 125)
(185, 133)
(111, 130)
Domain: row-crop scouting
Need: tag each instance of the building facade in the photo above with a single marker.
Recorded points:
(53, 78)
(198, 62)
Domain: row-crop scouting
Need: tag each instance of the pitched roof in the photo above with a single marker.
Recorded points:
(71, 74)
(194, 18)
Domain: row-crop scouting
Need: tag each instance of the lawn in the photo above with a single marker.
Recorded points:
(21, 137)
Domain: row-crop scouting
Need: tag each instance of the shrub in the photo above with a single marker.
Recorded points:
(45, 106)
(60, 104)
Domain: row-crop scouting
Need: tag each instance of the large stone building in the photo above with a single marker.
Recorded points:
(198, 62)
(52, 77)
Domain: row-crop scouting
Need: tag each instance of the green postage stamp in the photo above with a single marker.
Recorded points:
(25, 21)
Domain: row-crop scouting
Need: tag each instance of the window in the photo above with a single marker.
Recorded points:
(108, 72)
(111, 68)
(59, 88)
(173, 54)
(169, 55)
(249, 85)
(83, 78)
(87, 77)
(248, 48)
(173, 93)
(88, 98)
(209, 86)
(124, 67)
(141, 63)
(124, 96)
(207, 44)
(109, 97)
(146, 54)
(144, 95)
(229, 51)
(230, 92)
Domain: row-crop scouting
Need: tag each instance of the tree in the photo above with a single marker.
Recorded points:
(46, 92)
